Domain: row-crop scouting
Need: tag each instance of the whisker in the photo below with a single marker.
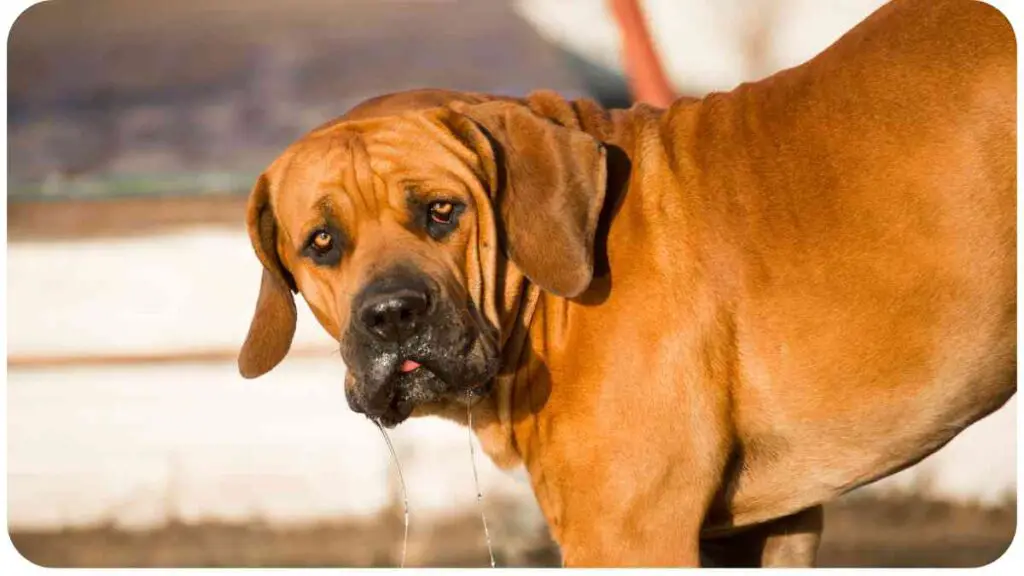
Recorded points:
(476, 482)
(401, 481)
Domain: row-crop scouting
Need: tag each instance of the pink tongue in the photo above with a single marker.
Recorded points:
(409, 366)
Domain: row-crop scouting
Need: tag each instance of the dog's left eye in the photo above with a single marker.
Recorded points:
(442, 217)
(322, 241)
(441, 212)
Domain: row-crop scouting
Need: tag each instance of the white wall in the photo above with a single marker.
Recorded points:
(181, 292)
(139, 444)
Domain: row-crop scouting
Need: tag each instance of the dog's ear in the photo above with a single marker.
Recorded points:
(548, 189)
(273, 322)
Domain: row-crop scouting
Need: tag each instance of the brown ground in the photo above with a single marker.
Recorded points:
(895, 531)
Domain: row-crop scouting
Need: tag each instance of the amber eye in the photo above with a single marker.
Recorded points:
(323, 241)
(324, 246)
(441, 212)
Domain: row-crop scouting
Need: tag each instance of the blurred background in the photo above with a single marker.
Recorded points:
(135, 129)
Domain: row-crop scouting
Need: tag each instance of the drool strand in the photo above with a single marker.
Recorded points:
(401, 481)
(476, 482)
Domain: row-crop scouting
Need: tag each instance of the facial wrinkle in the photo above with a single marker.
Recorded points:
(467, 158)
(363, 178)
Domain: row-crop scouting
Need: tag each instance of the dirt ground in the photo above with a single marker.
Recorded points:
(861, 531)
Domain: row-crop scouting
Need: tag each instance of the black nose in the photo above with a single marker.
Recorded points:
(394, 315)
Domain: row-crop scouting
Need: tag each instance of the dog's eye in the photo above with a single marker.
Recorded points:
(442, 218)
(322, 247)
(441, 212)
(322, 241)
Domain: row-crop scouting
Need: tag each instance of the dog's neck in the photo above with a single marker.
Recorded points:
(526, 312)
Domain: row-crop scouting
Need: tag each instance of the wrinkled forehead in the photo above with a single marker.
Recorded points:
(369, 165)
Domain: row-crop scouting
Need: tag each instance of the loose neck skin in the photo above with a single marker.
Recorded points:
(534, 320)
(513, 421)
(614, 358)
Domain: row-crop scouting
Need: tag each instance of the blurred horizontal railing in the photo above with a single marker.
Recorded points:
(30, 361)
(103, 186)
(51, 220)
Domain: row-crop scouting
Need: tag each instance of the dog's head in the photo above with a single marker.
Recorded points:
(396, 222)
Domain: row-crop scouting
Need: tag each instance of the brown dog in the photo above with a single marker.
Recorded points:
(693, 326)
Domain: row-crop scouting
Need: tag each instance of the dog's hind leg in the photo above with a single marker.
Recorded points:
(788, 542)
(793, 541)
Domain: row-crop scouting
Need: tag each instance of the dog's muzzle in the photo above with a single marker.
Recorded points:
(393, 312)
(408, 344)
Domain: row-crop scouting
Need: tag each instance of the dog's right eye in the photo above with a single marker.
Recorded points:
(322, 247)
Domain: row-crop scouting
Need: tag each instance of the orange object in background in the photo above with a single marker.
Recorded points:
(643, 68)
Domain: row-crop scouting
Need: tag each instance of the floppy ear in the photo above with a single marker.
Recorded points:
(273, 322)
(549, 191)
